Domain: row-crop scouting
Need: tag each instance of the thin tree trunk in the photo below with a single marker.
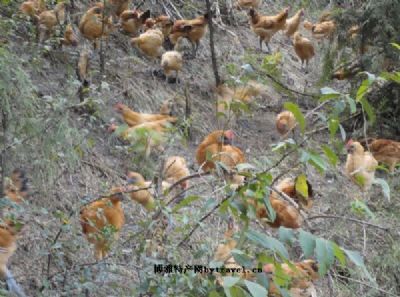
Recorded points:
(212, 47)
(3, 156)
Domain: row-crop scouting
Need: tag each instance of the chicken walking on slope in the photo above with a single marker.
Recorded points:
(93, 26)
(150, 43)
(360, 165)
(293, 23)
(300, 276)
(193, 30)
(101, 222)
(303, 48)
(266, 26)
(171, 61)
(285, 122)
(217, 147)
(386, 151)
(8, 245)
(48, 19)
(286, 215)
(141, 191)
(133, 20)
(175, 169)
(132, 118)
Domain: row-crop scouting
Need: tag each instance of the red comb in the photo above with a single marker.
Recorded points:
(230, 134)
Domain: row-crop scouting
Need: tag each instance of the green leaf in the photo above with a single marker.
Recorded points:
(301, 186)
(330, 154)
(352, 104)
(342, 132)
(393, 76)
(333, 125)
(317, 162)
(395, 45)
(355, 257)
(325, 255)
(230, 281)
(185, 202)
(328, 93)
(286, 235)
(385, 187)
(244, 166)
(255, 289)
(267, 242)
(307, 243)
(294, 108)
(359, 207)
(214, 294)
(369, 110)
(339, 253)
(241, 258)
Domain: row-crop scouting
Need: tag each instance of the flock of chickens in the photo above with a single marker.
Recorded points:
(103, 219)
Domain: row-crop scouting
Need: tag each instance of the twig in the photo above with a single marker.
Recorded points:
(322, 216)
(203, 219)
(365, 284)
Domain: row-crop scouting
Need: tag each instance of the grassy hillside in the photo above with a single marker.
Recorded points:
(70, 158)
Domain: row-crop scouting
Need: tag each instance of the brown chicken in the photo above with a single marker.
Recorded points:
(16, 187)
(8, 245)
(323, 29)
(193, 30)
(293, 23)
(175, 169)
(285, 214)
(102, 221)
(285, 122)
(223, 254)
(141, 190)
(117, 7)
(360, 165)
(133, 20)
(308, 25)
(165, 24)
(300, 278)
(150, 43)
(266, 26)
(69, 37)
(33, 8)
(159, 126)
(91, 24)
(171, 61)
(288, 186)
(246, 93)
(132, 118)
(303, 48)
(246, 4)
(386, 151)
(48, 19)
(218, 147)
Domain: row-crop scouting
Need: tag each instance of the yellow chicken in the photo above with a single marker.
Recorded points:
(101, 222)
(8, 245)
(360, 165)
(140, 190)
(48, 19)
(133, 20)
(175, 169)
(303, 48)
(92, 26)
(171, 61)
(150, 43)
